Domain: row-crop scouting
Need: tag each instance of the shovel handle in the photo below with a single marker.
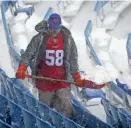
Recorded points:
(50, 79)
(28, 76)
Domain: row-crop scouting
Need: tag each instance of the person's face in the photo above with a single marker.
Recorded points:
(54, 32)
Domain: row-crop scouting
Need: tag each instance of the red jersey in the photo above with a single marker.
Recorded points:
(52, 65)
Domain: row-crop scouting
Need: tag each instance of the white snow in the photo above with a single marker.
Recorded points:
(5, 60)
(111, 18)
(98, 74)
(18, 31)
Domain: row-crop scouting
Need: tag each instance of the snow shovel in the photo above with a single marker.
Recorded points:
(50, 79)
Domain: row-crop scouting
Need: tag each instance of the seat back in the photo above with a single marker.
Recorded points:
(11, 88)
(20, 97)
(4, 110)
(31, 104)
(43, 124)
(56, 119)
(44, 112)
(4, 125)
(123, 115)
(16, 115)
(29, 119)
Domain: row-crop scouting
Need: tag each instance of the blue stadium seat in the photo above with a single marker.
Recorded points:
(20, 85)
(114, 112)
(29, 11)
(43, 124)
(16, 115)
(29, 119)
(123, 115)
(56, 119)
(44, 112)
(2, 72)
(32, 104)
(89, 93)
(11, 88)
(4, 110)
(129, 121)
(5, 87)
(20, 96)
(4, 125)
(86, 119)
(80, 116)
(70, 124)
(109, 117)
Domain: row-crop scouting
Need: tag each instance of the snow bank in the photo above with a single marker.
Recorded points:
(18, 31)
(111, 18)
(99, 75)
(73, 8)
(103, 56)
(118, 53)
(100, 39)
(112, 71)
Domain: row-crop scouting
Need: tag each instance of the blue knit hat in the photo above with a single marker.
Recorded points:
(54, 21)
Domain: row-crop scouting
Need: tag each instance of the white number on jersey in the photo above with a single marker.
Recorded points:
(51, 60)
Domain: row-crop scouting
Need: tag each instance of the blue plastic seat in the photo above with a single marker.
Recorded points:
(114, 112)
(89, 93)
(29, 119)
(43, 124)
(109, 117)
(123, 115)
(56, 119)
(6, 92)
(32, 104)
(80, 116)
(28, 10)
(2, 73)
(11, 88)
(16, 115)
(20, 97)
(129, 121)
(67, 123)
(4, 125)
(4, 110)
(44, 112)
(19, 84)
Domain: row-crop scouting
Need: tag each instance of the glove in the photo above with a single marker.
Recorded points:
(78, 80)
(90, 84)
(20, 74)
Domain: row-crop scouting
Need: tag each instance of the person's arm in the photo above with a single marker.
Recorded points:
(74, 67)
(87, 83)
(30, 51)
(26, 58)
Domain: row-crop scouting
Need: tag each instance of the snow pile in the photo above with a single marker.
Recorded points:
(100, 39)
(69, 8)
(103, 56)
(99, 75)
(112, 70)
(118, 53)
(111, 18)
(18, 31)
(73, 8)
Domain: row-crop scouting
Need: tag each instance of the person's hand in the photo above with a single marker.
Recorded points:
(78, 80)
(20, 74)
(98, 86)
(91, 84)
